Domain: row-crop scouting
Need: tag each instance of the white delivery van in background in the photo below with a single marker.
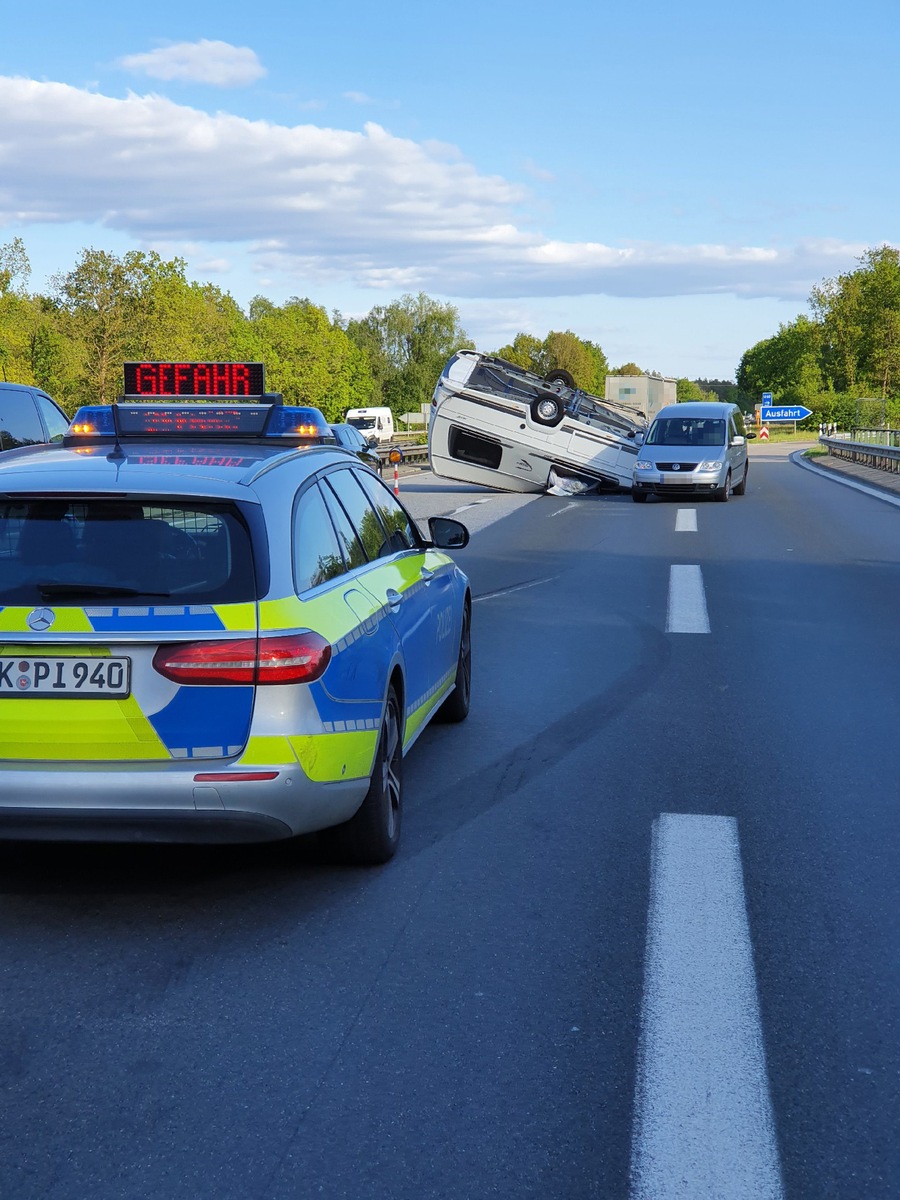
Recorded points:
(373, 423)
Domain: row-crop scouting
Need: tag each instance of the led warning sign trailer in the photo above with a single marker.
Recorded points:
(194, 380)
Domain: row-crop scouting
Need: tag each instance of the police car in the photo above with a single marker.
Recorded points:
(216, 624)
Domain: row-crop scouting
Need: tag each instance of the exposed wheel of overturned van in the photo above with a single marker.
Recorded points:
(372, 834)
(740, 488)
(638, 496)
(560, 376)
(547, 409)
(456, 706)
(723, 492)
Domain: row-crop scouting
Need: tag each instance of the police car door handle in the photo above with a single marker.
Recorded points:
(393, 599)
(427, 575)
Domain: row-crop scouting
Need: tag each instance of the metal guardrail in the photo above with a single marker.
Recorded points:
(875, 437)
(411, 454)
(884, 458)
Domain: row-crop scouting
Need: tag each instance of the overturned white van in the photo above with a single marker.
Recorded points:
(498, 425)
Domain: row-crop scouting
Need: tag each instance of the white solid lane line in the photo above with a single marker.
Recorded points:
(686, 520)
(703, 1122)
(687, 601)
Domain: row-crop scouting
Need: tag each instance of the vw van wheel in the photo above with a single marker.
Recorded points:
(740, 488)
(547, 409)
(456, 706)
(638, 496)
(372, 834)
(723, 492)
(560, 376)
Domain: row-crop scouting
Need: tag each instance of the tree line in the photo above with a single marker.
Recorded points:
(843, 360)
(73, 339)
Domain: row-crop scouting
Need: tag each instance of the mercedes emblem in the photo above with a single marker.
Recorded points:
(40, 619)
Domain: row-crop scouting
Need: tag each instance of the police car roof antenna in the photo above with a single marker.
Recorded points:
(117, 452)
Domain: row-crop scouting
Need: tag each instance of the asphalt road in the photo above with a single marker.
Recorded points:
(467, 1022)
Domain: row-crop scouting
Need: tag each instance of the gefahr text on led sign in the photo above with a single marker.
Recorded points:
(160, 379)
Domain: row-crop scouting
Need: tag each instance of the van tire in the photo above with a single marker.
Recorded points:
(740, 488)
(372, 834)
(547, 409)
(638, 496)
(724, 492)
(560, 376)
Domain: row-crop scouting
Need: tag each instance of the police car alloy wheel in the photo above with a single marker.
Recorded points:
(456, 707)
(372, 834)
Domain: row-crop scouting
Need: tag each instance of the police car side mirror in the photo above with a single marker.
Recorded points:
(447, 534)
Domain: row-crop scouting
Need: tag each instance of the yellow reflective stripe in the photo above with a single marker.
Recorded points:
(417, 718)
(326, 614)
(264, 750)
(237, 617)
(68, 620)
(77, 731)
(328, 757)
(325, 757)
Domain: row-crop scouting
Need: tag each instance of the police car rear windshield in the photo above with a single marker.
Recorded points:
(91, 551)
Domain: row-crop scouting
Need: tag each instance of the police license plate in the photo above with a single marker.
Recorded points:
(98, 678)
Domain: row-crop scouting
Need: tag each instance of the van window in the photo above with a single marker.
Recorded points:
(20, 424)
(472, 448)
(57, 423)
(686, 431)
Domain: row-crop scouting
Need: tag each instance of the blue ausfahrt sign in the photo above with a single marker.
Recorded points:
(787, 412)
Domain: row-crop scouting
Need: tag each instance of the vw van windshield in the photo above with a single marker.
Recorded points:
(686, 431)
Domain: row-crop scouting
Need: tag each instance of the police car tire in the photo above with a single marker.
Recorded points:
(542, 400)
(372, 834)
(456, 707)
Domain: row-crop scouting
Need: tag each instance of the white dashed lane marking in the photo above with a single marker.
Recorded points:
(686, 612)
(703, 1122)
(686, 520)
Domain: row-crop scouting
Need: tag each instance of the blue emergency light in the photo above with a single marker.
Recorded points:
(189, 422)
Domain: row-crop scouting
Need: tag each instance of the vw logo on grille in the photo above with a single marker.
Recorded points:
(40, 619)
(676, 466)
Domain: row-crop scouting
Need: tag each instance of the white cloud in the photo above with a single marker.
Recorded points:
(358, 98)
(327, 205)
(218, 63)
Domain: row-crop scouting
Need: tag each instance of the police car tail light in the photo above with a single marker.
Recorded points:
(292, 658)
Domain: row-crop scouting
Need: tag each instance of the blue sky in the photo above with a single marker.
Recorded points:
(667, 180)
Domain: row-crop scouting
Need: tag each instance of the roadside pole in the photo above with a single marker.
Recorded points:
(396, 457)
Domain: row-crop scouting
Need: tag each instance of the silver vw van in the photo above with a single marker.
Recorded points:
(693, 449)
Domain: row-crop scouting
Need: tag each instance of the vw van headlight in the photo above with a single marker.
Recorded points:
(710, 466)
(643, 466)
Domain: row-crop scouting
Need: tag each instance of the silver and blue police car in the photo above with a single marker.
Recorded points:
(216, 625)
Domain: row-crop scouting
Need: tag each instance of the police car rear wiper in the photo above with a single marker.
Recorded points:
(50, 590)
